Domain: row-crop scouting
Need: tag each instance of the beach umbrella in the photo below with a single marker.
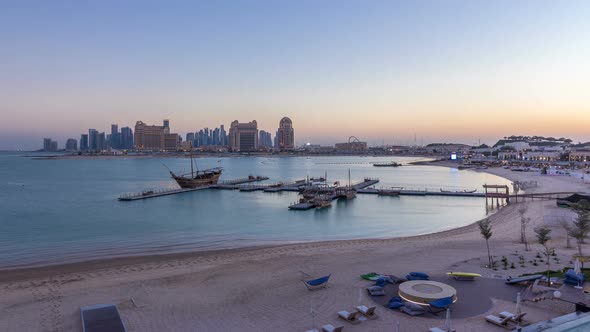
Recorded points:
(518, 305)
(448, 321)
(577, 266)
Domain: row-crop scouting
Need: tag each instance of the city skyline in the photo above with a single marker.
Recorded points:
(385, 71)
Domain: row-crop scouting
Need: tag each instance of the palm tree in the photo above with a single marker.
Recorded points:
(581, 226)
(485, 229)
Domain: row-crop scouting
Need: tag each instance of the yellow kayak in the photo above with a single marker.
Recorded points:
(463, 274)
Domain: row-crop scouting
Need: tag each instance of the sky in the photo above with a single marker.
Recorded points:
(384, 71)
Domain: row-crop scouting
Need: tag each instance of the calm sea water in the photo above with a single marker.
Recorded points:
(55, 211)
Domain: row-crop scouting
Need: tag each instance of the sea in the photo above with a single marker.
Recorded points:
(55, 211)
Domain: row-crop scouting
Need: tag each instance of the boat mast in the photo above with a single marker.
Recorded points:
(349, 178)
(191, 155)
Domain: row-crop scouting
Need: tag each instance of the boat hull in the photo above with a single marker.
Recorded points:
(199, 181)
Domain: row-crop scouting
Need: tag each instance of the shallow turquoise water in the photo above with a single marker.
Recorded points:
(55, 211)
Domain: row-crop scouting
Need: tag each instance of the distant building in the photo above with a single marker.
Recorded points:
(155, 138)
(71, 145)
(92, 139)
(126, 138)
(582, 155)
(49, 145)
(264, 139)
(190, 137)
(171, 142)
(102, 142)
(46, 144)
(115, 139)
(223, 136)
(243, 137)
(286, 134)
(352, 146)
(447, 148)
(84, 142)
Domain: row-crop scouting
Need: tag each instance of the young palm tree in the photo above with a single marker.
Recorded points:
(543, 237)
(485, 229)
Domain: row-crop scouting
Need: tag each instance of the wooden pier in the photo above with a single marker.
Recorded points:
(230, 184)
(159, 193)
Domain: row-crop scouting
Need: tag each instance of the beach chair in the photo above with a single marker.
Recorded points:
(436, 329)
(317, 283)
(101, 318)
(412, 309)
(396, 280)
(368, 312)
(513, 317)
(332, 328)
(417, 276)
(376, 291)
(440, 305)
(351, 317)
(512, 281)
(499, 321)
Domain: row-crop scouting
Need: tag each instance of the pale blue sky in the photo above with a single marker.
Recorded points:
(379, 70)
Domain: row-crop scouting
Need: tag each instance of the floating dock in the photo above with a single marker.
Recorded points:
(410, 192)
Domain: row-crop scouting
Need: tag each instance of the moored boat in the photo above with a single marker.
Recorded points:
(197, 178)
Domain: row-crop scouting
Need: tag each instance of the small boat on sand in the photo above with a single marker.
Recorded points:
(458, 191)
(387, 164)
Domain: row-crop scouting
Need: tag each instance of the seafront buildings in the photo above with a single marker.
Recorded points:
(286, 135)
(49, 145)
(155, 138)
(264, 140)
(243, 137)
(84, 142)
(71, 144)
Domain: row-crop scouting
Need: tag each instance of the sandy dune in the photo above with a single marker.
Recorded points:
(259, 289)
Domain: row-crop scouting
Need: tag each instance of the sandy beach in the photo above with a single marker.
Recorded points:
(260, 289)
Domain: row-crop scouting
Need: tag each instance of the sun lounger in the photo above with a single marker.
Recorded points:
(396, 280)
(413, 309)
(417, 276)
(512, 316)
(368, 312)
(440, 305)
(512, 281)
(438, 329)
(376, 291)
(101, 318)
(317, 283)
(332, 328)
(351, 317)
(503, 322)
